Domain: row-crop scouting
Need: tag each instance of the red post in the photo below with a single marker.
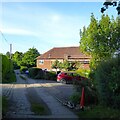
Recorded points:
(82, 101)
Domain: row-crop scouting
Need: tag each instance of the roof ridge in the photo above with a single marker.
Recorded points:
(67, 47)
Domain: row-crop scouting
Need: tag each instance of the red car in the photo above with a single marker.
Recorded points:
(68, 77)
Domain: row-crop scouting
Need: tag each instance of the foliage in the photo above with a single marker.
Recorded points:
(90, 93)
(113, 3)
(17, 58)
(38, 73)
(100, 39)
(56, 65)
(83, 72)
(8, 55)
(8, 74)
(23, 69)
(38, 108)
(34, 72)
(99, 111)
(66, 65)
(50, 75)
(108, 84)
(29, 57)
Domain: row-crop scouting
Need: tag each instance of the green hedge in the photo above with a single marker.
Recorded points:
(8, 74)
(38, 73)
(107, 78)
(50, 75)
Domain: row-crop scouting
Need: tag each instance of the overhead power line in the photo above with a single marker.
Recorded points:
(3, 36)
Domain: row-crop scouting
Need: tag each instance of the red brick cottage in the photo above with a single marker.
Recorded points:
(62, 53)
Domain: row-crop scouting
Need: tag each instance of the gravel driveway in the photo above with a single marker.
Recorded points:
(24, 90)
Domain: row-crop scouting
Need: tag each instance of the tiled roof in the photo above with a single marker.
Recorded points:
(62, 52)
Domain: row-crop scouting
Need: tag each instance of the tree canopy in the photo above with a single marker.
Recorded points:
(111, 3)
(29, 57)
(17, 58)
(101, 38)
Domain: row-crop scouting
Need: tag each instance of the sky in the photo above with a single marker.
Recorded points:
(44, 25)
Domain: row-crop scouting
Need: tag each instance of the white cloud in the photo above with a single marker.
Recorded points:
(15, 31)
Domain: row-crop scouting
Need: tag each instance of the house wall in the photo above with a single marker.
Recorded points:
(45, 65)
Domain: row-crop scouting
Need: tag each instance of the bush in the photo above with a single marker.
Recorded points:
(108, 84)
(36, 73)
(23, 69)
(8, 74)
(6, 66)
(83, 72)
(90, 93)
(40, 74)
(50, 75)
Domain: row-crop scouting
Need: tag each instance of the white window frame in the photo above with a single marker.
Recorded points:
(41, 61)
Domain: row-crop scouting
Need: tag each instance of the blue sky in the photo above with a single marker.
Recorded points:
(45, 25)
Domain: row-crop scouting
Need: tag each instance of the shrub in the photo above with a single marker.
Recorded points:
(90, 93)
(50, 75)
(35, 73)
(40, 74)
(83, 72)
(23, 69)
(108, 84)
(75, 98)
(8, 74)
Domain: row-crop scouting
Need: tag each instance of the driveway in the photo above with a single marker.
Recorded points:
(49, 92)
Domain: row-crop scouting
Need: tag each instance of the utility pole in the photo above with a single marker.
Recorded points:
(10, 51)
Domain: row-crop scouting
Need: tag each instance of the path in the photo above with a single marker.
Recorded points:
(20, 105)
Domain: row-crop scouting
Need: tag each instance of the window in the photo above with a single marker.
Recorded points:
(41, 61)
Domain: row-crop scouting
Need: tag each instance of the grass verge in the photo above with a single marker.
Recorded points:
(38, 108)
(99, 112)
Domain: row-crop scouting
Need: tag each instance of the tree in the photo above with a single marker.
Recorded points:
(8, 55)
(29, 57)
(100, 39)
(110, 3)
(67, 65)
(17, 58)
(56, 65)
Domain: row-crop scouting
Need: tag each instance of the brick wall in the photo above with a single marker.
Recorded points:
(45, 65)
